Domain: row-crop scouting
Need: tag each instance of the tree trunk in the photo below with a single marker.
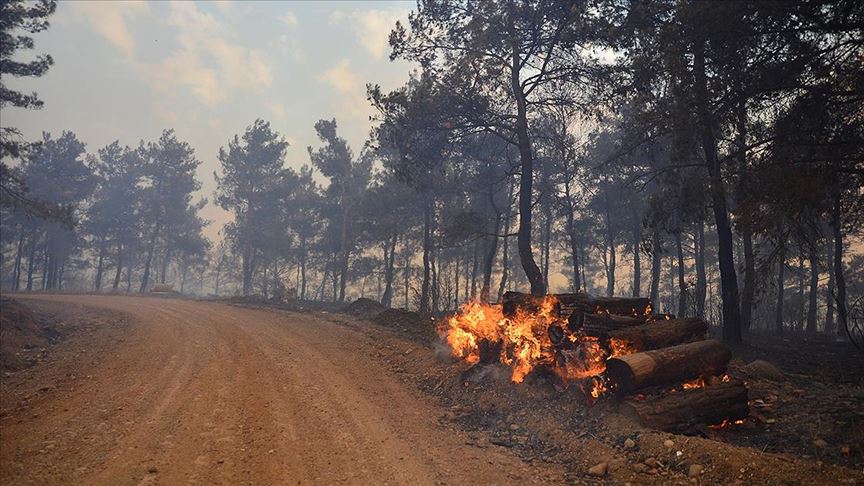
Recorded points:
(489, 261)
(183, 278)
(547, 240)
(119, 266)
(840, 280)
(701, 278)
(31, 261)
(655, 267)
(814, 289)
(474, 268)
(427, 252)
(166, 260)
(99, 264)
(668, 366)
(16, 272)
(145, 280)
(526, 179)
(406, 274)
(801, 318)
(637, 263)
(574, 249)
(749, 280)
(829, 297)
(682, 285)
(749, 289)
(129, 279)
(389, 264)
(303, 269)
(684, 410)
(728, 278)
(613, 255)
(781, 285)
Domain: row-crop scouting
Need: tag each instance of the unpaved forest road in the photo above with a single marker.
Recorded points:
(210, 393)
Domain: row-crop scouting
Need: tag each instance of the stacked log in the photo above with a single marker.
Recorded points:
(648, 352)
(658, 334)
(682, 411)
(623, 306)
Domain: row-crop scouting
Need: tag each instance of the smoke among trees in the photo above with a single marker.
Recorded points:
(709, 155)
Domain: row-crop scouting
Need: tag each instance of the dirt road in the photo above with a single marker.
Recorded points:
(206, 393)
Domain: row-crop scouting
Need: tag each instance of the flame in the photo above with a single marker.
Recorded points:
(697, 383)
(620, 347)
(522, 342)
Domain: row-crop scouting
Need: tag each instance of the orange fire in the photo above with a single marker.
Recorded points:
(522, 342)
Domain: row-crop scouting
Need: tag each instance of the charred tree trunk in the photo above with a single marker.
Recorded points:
(526, 178)
(637, 263)
(547, 238)
(749, 280)
(728, 277)
(800, 325)
(701, 278)
(814, 289)
(671, 365)
(829, 297)
(474, 267)
(836, 226)
(505, 253)
(681, 411)
(425, 289)
(655, 267)
(781, 286)
(489, 260)
(682, 284)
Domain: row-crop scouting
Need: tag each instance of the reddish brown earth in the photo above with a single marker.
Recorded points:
(168, 391)
(209, 393)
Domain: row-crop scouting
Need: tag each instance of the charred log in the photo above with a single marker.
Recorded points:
(670, 365)
(489, 351)
(513, 302)
(556, 334)
(596, 324)
(659, 334)
(681, 411)
(623, 306)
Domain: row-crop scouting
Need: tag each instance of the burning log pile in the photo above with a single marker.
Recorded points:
(606, 346)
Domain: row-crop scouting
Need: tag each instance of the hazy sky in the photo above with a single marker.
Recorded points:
(126, 70)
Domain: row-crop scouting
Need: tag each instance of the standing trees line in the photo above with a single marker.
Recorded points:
(708, 154)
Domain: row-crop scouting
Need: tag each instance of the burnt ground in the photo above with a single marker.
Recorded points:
(806, 427)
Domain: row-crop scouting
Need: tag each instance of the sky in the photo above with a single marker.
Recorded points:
(126, 70)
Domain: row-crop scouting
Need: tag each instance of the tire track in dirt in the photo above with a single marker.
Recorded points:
(207, 393)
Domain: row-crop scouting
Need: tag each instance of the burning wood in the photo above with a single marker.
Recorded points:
(658, 334)
(674, 364)
(526, 334)
(681, 411)
(584, 340)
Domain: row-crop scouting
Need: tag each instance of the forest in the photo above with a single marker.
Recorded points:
(708, 155)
